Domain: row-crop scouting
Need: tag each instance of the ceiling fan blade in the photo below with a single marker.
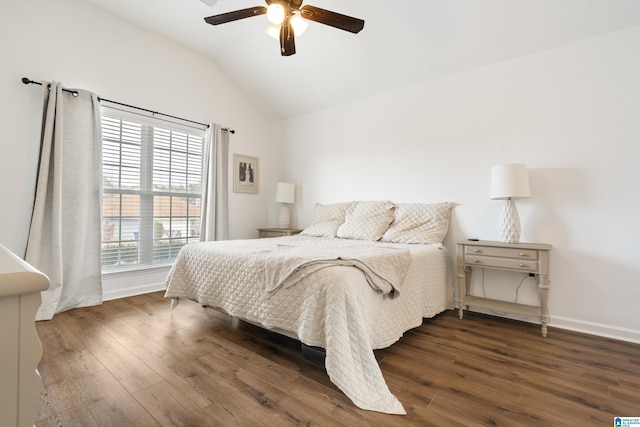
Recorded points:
(287, 39)
(333, 19)
(223, 18)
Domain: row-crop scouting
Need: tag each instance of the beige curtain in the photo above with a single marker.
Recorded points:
(64, 236)
(214, 224)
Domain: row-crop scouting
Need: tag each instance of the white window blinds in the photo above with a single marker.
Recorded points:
(152, 175)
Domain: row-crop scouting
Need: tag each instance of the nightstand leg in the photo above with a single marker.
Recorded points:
(461, 290)
(543, 289)
(464, 284)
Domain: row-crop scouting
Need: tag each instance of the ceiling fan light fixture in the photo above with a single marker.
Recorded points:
(274, 31)
(289, 19)
(298, 23)
(275, 13)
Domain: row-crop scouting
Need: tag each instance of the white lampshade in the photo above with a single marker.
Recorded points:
(273, 30)
(275, 13)
(299, 24)
(510, 181)
(285, 192)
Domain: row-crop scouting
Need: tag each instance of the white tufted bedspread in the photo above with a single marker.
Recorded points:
(334, 308)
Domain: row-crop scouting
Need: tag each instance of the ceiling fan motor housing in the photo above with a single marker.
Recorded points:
(293, 4)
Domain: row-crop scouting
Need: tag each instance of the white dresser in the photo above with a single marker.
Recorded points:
(20, 348)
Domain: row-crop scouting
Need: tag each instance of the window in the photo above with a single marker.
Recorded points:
(152, 194)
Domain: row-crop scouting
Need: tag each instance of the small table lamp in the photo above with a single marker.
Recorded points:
(285, 193)
(509, 182)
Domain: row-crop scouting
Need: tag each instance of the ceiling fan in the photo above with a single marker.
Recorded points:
(290, 17)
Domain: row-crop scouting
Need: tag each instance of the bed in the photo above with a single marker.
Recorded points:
(352, 282)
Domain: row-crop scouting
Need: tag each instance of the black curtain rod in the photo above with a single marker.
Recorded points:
(74, 93)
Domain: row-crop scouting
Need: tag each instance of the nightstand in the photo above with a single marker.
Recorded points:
(277, 232)
(532, 258)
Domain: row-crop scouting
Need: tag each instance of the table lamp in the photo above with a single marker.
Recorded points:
(509, 182)
(285, 193)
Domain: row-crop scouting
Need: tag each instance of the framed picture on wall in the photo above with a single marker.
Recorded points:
(245, 174)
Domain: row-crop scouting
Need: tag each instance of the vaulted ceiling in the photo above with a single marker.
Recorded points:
(403, 42)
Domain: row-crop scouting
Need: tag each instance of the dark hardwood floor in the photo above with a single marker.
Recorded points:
(134, 362)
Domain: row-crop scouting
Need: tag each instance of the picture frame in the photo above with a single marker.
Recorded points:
(246, 174)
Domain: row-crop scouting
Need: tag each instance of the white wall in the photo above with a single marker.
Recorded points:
(571, 114)
(81, 46)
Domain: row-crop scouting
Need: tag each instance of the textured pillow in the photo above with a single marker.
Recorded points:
(367, 220)
(327, 219)
(419, 223)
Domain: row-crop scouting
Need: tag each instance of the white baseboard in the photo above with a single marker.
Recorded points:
(133, 291)
(591, 328)
(607, 331)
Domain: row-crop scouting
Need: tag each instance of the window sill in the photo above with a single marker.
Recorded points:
(132, 271)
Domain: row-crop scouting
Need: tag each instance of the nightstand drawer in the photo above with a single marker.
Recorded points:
(277, 232)
(508, 263)
(525, 254)
(263, 233)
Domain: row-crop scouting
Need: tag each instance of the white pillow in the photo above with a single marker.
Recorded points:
(367, 220)
(327, 219)
(419, 223)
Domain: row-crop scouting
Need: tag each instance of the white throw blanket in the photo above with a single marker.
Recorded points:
(384, 267)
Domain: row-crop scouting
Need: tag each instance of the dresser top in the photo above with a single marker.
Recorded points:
(17, 276)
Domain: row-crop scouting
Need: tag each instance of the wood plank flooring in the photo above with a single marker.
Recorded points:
(135, 362)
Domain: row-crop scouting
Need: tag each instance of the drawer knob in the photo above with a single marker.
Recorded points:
(477, 261)
(523, 265)
(522, 254)
(477, 251)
